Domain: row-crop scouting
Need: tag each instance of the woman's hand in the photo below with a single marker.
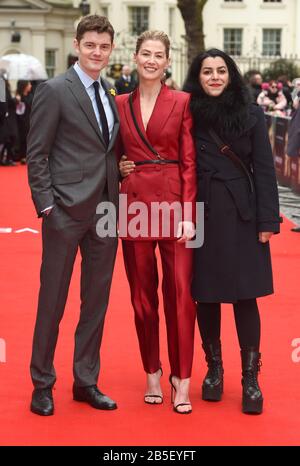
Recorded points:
(126, 166)
(185, 232)
(264, 236)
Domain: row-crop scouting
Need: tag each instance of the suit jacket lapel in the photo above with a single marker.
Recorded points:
(130, 123)
(80, 94)
(162, 110)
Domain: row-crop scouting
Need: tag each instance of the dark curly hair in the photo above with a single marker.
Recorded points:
(192, 83)
(227, 113)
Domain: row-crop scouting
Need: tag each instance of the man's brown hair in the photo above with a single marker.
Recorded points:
(94, 23)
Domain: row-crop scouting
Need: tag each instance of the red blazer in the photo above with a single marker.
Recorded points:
(169, 131)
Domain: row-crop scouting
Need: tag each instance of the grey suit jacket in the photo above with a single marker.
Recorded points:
(68, 162)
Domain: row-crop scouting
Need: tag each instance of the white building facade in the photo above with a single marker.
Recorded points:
(131, 17)
(44, 29)
(253, 31)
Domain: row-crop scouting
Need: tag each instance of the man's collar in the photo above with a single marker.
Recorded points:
(86, 80)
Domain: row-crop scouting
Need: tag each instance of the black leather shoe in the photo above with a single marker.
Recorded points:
(93, 397)
(296, 229)
(42, 402)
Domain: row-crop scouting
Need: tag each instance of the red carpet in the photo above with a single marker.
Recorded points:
(136, 423)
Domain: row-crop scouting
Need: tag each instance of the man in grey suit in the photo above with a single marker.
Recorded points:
(72, 168)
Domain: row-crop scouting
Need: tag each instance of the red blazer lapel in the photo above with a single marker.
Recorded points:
(163, 108)
(130, 123)
(138, 113)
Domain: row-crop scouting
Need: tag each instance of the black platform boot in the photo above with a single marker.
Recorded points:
(212, 387)
(252, 395)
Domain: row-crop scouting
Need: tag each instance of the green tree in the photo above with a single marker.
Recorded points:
(281, 67)
(192, 14)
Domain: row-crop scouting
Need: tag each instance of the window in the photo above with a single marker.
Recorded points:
(233, 4)
(171, 21)
(50, 60)
(271, 42)
(233, 41)
(138, 19)
(104, 11)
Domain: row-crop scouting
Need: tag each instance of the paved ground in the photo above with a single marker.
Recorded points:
(289, 204)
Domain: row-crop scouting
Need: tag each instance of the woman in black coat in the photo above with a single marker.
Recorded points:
(239, 192)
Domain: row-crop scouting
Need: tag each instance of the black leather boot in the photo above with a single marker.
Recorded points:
(252, 395)
(212, 387)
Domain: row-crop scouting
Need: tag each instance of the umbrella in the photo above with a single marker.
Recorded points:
(21, 66)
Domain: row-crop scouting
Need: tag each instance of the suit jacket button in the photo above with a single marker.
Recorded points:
(202, 147)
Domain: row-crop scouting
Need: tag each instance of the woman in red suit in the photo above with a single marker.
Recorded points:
(156, 136)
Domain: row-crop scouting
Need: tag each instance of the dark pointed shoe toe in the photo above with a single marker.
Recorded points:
(42, 402)
(93, 397)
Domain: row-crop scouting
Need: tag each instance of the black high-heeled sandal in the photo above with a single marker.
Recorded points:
(155, 397)
(175, 408)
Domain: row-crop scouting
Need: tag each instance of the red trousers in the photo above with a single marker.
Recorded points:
(180, 312)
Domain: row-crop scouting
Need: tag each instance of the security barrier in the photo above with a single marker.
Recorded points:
(287, 168)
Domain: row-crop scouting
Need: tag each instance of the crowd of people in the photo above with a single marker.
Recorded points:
(277, 96)
(15, 113)
(14, 123)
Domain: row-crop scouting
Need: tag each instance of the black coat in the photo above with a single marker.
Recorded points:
(3, 110)
(23, 122)
(8, 126)
(232, 264)
(125, 87)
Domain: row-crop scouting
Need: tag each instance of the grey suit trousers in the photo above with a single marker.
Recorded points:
(62, 237)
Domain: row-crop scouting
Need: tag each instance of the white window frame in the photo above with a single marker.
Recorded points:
(241, 42)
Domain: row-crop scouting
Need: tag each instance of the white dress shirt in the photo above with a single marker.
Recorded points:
(87, 81)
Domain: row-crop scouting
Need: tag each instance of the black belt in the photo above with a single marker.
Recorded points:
(156, 162)
(205, 178)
